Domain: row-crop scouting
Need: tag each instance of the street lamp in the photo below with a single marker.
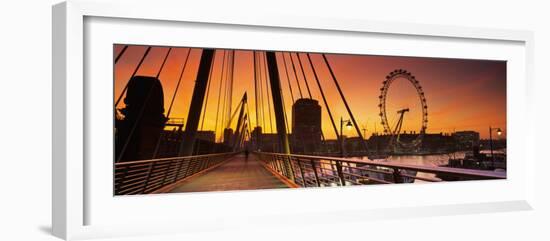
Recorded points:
(499, 132)
(348, 126)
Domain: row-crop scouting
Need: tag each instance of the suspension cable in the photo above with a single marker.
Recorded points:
(288, 78)
(286, 119)
(163, 62)
(344, 100)
(295, 75)
(141, 111)
(224, 99)
(232, 76)
(260, 83)
(207, 92)
(250, 124)
(133, 74)
(267, 90)
(178, 84)
(260, 94)
(322, 134)
(284, 108)
(304, 74)
(219, 94)
(121, 53)
(172, 103)
(234, 113)
(326, 103)
(255, 87)
(205, 106)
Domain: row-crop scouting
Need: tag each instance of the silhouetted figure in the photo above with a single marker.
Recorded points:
(138, 132)
(246, 155)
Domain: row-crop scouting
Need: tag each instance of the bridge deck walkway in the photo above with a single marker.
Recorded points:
(235, 174)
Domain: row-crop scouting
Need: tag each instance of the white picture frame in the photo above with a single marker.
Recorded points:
(76, 194)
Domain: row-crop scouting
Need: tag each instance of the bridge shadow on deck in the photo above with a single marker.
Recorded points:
(236, 174)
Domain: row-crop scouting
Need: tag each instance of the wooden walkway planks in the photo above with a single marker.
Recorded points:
(235, 174)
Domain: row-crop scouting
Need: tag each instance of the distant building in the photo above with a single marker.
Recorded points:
(437, 143)
(306, 126)
(228, 136)
(330, 147)
(267, 142)
(431, 143)
(465, 140)
(209, 136)
(255, 138)
(270, 142)
(138, 132)
(353, 145)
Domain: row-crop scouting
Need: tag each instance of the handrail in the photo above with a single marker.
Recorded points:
(176, 121)
(148, 176)
(443, 170)
(321, 171)
(123, 163)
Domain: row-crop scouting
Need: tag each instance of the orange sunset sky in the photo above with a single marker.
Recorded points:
(461, 94)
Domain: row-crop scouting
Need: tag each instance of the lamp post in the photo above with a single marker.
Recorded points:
(499, 132)
(348, 126)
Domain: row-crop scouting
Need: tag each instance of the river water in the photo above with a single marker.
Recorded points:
(423, 160)
(426, 160)
(418, 160)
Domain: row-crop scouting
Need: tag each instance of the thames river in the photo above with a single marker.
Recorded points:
(425, 160)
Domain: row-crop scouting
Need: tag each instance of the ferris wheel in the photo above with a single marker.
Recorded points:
(395, 141)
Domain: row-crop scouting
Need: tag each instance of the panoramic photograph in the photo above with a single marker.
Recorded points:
(192, 119)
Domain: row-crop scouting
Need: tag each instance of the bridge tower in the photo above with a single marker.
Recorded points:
(190, 135)
(278, 107)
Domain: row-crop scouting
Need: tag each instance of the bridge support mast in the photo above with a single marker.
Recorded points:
(195, 109)
(275, 83)
(238, 131)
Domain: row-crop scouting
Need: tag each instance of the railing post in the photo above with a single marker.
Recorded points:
(340, 172)
(397, 178)
(188, 168)
(301, 172)
(271, 162)
(208, 162)
(178, 170)
(149, 171)
(268, 161)
(283, 165)
(276, 163)
(166, 173)
(197, 165)
(122, 179)
(292, 172)
(204, 164)
(315, 172)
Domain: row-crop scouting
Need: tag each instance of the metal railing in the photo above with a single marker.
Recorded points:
(147, 176)
(176, 121)
(318, 171)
